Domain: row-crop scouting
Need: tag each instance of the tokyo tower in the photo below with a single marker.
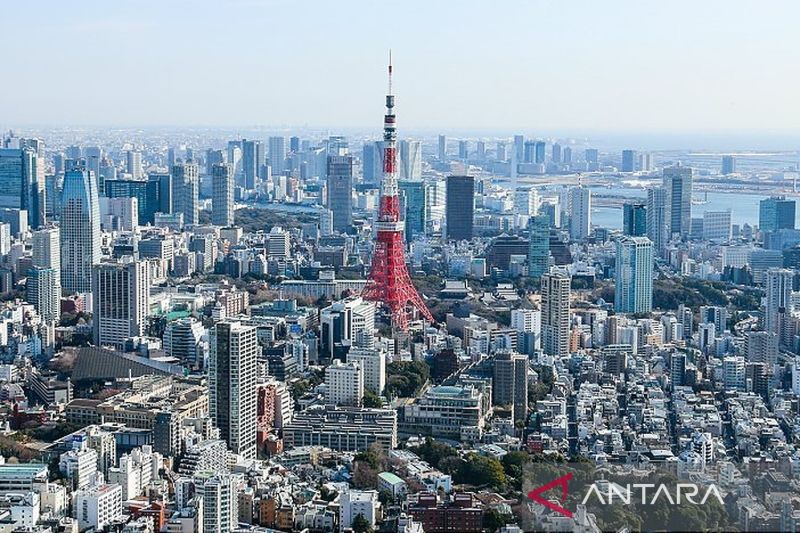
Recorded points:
(389, 283)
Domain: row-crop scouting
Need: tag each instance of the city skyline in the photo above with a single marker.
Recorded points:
(552, 79)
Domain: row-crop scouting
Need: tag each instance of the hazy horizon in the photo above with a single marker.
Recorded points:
(682, 70)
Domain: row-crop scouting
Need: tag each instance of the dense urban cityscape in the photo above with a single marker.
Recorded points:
(390, 330)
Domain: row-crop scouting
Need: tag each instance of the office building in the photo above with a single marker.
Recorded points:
(372, 162)
(410, 160)
(539, 152)
(232, 377)
(344, 383)
(463, 150)
(442, 153)
(182, 340)
(459, 207)
(628, 161)
(222, 206)
(416, 219)
(526, 202)
(539, 251)
(728, 165)
(658, 217)
(134, 164)
(147, 194)
(252, 160)
(633, 292)
(510, 383)
(80, 230)
(342, 321)
(373, 366)
(580, 219)
(762, 347)
(556, 156)
(555, 313)
(343, 429)
(717, 225)
(340, 191)
(678, 186)
(776, 212)
(185, 192)
(22, 182)
(634, 219)
(277, 155)
(120, 301)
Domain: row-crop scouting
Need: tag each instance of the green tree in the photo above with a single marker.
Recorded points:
(361, 524)
(371, 399)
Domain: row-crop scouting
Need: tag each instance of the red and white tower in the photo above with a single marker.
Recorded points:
(389, 283)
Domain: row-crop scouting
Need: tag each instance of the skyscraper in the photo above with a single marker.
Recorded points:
(556, 154)
(728, 165)
(340, 191)
(463, 150)
(134, 164)
(555, 313)
(634, 219)
(678, 185)
(252, 159)
(232, 385)
(222, 206)
(776, 212)
(22, 182)
(277, 154)
(580, 220)
(519, 147)
(628, 161)
(147, 194)
(541, 148)
(185, 192)
(442, 148)
(634, 275)
(415, 213)
(410, 160)
(46, 249)
(591, 157)
(539, 252)
(80, 230)
(778, 301)
(371, 162)
(658, 216)
(500, 151)
(120, 300)
(510, 383)
(459, 207)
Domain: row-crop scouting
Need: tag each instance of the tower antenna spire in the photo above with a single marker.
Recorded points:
(390, 71)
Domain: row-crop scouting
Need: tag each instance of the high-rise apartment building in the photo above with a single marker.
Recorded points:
(120, 300)
(344, 383)
(442, 153)
(678, 185)
(222, 206)
(555, 313)
(728, 165)
(340, 191)
(634, 275)
(232, 377)
(43, 292)
(658, 217)
(459, 207)
(778, 302)
(580, 219)
(185, 192)
(80, 230)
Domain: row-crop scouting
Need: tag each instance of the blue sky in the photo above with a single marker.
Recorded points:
(561, 66)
